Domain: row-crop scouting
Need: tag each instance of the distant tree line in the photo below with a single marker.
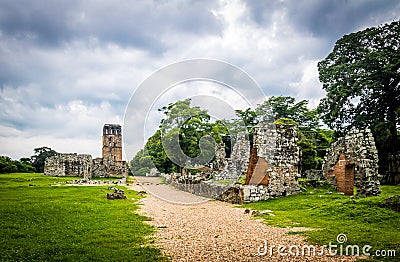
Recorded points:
(26, 165)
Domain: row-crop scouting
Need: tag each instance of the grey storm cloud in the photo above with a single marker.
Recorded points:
(133, 23)
(327, 19)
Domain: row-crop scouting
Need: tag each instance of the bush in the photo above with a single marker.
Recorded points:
(7, 165)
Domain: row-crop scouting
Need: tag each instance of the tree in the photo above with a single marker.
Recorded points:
(361, 77)
(141, 163)
(186, 132)
(38, 159)
(7, 165)
(286, 107)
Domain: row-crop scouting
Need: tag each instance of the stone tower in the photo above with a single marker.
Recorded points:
(112, 144)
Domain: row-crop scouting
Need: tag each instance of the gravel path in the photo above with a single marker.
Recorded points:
(214, 231)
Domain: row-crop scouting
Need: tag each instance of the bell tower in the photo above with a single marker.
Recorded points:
(112, 144)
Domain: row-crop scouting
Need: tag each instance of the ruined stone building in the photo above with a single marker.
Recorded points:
(271, 167)
(274, 161)
(352, 161)
(82, 165)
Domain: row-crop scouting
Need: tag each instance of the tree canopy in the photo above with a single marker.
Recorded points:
(361, 77)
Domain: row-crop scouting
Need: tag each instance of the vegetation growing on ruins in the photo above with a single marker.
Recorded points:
(43, 221)
(361, 77)
(365, 221)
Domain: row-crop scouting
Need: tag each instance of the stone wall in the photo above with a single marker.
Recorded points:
(236, 165)
(99, 169)
(274, 162)
(69, 165)
(220, 162)
(271, 168)
(353, 161)
(104, 168)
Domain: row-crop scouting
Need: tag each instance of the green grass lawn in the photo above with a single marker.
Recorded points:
(365, 221)
(42, 220)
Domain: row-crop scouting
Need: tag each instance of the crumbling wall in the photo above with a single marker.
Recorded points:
(274, 162)
(99, 169)
(236, 165)
(73, 165)
(220, 162)
(353, 161)
(271, 168)
(104, 168)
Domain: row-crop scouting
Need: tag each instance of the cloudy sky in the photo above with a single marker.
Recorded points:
(68, 67)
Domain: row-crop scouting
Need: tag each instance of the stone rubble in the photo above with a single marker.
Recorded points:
(117, 194)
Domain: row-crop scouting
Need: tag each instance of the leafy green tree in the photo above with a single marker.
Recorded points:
(249, 117)
(141, 164)
(278, 107)
(7, 165)
(154, 148)
(361, 77)
(38, 159)
(314, 144)
(192, 128)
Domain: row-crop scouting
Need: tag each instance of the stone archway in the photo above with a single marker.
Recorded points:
(353, 161)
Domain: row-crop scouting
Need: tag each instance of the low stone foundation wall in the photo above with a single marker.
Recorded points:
(236, 194)
(204, 188)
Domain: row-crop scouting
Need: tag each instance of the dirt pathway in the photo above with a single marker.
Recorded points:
(215, 231)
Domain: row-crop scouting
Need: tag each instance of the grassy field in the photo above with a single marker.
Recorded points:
(365, 221)
(43, 221)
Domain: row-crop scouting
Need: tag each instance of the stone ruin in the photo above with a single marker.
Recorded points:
(271, 167)
(82, 165)
(234, 167)
(69, 165)
(353, 161)
(274, 162)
